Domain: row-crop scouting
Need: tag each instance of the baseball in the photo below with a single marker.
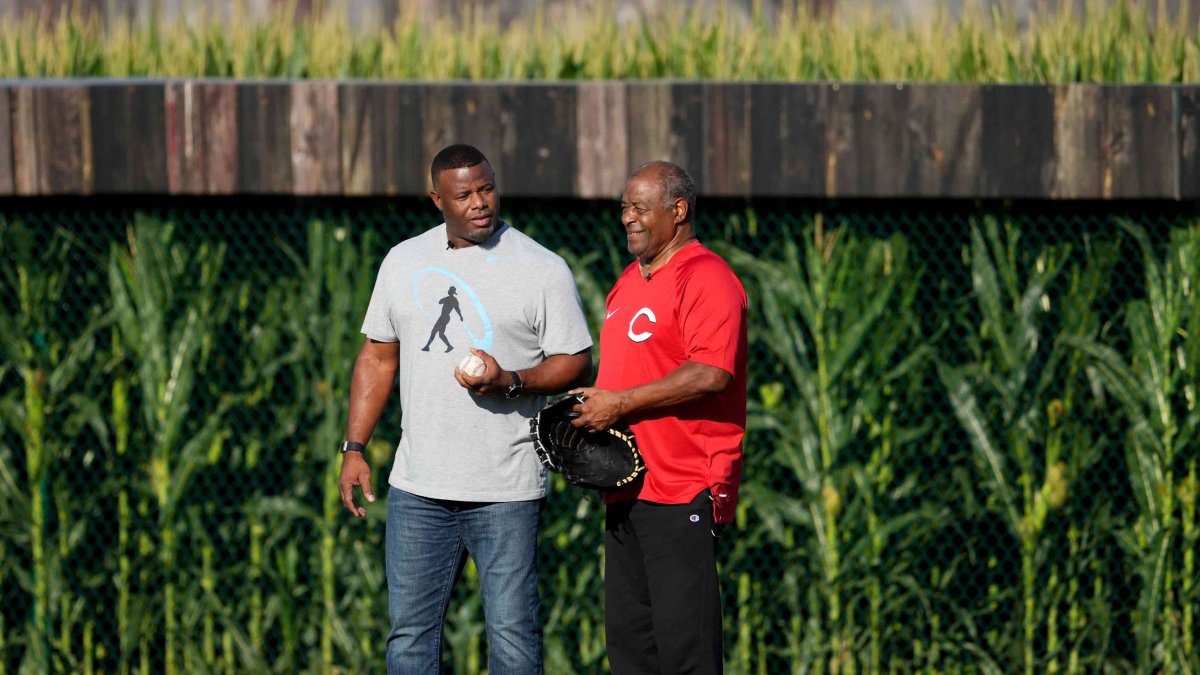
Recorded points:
(472, 365)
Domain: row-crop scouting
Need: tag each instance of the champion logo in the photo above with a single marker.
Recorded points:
(694, 518)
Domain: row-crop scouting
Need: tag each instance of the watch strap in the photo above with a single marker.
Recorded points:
(351, 446)
(515, 389)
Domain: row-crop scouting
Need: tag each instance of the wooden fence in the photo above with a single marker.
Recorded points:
(576, 139)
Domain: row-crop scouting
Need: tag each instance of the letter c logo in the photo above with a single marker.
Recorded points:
(641, 337)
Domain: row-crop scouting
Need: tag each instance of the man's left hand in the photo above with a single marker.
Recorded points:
(600, 409)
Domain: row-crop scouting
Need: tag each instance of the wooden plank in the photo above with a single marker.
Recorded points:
(470, 114)
(839, 141)
(839, 136)
(202, 133)
(1142, 141)
(216, 106)
(315, 138)
(543, 153)
(178, 142)
(438, 122)
(403, 165)
(148, 138)
(382, 151)
(1114, 142)
(769, 140)
(128, 121)
(1017, 141)
(601, 148)
(727, 157)
(1082, 166)
(7, 179)
(944, 122)
(110, 114)
(869, 148)
(362, 137)
(483, 116)
(1189, 141)
(665, 121)
(263, 138)
(407, 168)
(787, 139)
(687, 139)
(648, 122)
(26, 170)
(63, 140)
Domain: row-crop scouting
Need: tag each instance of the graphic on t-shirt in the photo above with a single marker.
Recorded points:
(458, 299)
(449, 304)
(645, 335)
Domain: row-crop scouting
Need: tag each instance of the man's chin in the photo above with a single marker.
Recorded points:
(481, 234)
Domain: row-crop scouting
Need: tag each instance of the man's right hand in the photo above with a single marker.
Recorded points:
(355, 471)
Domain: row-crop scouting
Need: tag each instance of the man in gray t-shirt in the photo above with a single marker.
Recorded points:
(466, 478)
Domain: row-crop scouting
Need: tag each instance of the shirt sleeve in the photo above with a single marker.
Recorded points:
(378, 322)
(712, 314)
(561, 326)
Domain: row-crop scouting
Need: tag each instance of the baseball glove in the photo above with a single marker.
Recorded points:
(594, 460)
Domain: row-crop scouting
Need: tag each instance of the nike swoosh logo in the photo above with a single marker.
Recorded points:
(609, 315)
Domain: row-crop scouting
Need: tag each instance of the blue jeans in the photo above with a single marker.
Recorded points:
(426, 540)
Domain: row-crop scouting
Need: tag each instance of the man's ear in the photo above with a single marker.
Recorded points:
(437, 201)
(681, 211)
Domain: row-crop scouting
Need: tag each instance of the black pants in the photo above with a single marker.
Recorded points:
(663, 605)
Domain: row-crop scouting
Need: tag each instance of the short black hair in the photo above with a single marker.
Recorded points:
(458, 156)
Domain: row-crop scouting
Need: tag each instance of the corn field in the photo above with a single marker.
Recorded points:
(972, 443)
(1113, 41)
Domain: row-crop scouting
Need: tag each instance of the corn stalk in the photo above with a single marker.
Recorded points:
(1022, 403)
(1112, 42)
(836, 314)
(1156, 387)
(51, 367)
(264, 324)
(321, 308)
(570, 524)
(3, 627)
(166, 298)
(124, 580)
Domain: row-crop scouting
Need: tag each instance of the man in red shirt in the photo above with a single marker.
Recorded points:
(673, 368)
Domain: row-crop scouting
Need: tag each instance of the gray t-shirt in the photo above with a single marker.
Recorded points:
(510, 297)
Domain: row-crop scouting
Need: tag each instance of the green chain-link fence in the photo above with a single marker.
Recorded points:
(972, 442)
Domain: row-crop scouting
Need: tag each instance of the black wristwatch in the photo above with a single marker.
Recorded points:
(514, 389)
(351, 446)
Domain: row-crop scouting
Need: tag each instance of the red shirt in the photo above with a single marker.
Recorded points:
(692, 309)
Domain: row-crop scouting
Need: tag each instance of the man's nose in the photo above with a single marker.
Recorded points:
(476, 201)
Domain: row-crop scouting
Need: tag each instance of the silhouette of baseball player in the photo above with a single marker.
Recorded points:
(448, 303)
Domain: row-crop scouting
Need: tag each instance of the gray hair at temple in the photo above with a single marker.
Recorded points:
(676, 184)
